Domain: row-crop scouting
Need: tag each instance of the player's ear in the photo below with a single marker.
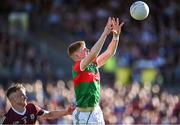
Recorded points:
(75, 56)
(11, 97)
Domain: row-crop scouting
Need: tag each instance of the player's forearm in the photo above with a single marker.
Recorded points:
(99, 44)
(94, 52)
(113, 45)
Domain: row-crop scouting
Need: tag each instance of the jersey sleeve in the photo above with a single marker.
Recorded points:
(77, 67)
(39, 111)
(36, 109)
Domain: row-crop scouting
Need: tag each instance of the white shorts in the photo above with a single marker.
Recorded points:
(95, 117)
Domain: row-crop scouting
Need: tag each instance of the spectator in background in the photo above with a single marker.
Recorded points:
(22, 112)
(2, 101)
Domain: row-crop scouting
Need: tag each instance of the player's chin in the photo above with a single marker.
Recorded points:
(24, 103)
(82, 57)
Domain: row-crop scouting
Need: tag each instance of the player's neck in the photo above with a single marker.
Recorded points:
(78, 59)
(19, 109)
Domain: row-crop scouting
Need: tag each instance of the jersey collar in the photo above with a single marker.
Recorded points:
(20, 113)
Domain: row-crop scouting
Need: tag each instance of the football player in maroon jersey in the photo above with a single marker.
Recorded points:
(23, 112)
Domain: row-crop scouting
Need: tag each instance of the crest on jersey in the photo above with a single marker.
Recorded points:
(32, 116)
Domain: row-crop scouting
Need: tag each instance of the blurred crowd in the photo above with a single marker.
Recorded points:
(152, 43)
(20, 61)
(134, 104)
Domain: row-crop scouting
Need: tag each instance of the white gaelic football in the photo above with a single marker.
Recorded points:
(139, 10)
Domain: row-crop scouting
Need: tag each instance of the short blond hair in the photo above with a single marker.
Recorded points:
(14, 88)
(74, 47)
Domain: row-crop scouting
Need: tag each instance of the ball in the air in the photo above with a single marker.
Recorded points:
(139, 10)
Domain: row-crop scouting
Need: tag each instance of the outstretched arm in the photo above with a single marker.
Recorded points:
(97, 47)
(57, 114)
(111, 50)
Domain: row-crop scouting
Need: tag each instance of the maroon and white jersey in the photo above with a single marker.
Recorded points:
(29, 116)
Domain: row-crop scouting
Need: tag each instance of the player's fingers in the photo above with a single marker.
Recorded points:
(117, 21)
(110, 20)
(122, 23)
(113, 21)
(110, 23)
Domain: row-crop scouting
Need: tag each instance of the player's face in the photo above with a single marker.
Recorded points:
(21, 98)
(83, 52)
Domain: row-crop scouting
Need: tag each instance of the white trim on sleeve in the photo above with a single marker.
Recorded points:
(45, 112)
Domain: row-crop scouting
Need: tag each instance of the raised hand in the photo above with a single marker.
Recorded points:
(108, 26)
(116, 26)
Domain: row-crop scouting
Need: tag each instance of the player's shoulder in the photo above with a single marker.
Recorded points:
(2, 118)
(76, 66)
(30, 105)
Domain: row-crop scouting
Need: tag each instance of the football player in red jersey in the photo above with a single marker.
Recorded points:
(23, 112)
(86, 76)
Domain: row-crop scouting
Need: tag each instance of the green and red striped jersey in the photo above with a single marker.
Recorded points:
(86, 85)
